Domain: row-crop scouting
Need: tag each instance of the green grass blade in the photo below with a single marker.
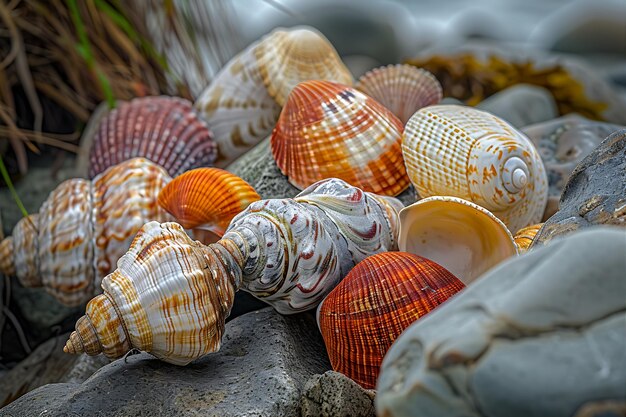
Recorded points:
(7, 179)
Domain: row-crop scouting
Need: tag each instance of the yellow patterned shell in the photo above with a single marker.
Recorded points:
(83, 228)
(468, 153)
(525, 236)
(242, 103)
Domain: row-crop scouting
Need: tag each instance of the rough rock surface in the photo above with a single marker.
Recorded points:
(595, 192)
(521, 105)
(47, 364)
(562, 144)
(540, 335)
(260, 370)
(333, 394)
(259, 169)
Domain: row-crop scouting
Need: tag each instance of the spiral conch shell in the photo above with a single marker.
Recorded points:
(243, 101)
(206, 198)
(380, 297)
(459, 235)
(83, 228)
(329, 130)
(164, 130)
(403, 89)
(288, 252)
(464, 152)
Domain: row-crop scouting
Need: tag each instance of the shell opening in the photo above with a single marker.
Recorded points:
(515, 175)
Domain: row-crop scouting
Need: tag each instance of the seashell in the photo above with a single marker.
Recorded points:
(208, 198)
(243, 101)
(471, 154)
(83, 228)
(461, 236)
(288, 252)
(380, 297)
(403, 89)
(328, 130)
(165, 130)
(525, 236)
(563, 143)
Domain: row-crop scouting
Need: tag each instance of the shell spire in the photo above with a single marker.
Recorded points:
(83, 228)
(173, 294)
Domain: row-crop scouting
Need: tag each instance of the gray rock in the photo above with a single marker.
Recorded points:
(47, 364)
(259, 169)
(333, 394)
(595, 192)
(260, 370)
(562, 144)
(521, 105)
(539, 335)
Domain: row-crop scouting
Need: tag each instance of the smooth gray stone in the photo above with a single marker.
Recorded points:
(521, 105)
(333, 394)
(562, 144)
(595, 193)
(45, 365)
(539, 335)
(258, 168)
(260, 370)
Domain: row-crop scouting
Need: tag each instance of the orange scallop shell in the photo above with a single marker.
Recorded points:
(380, 297)
(525, 236)
(329, 130)
(207, 198)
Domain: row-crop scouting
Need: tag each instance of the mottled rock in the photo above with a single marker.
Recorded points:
(333, 394)
(521, 105)
(260, 370)
(259, 169)
(47, 364)
(562, 144)
(595, 192)
(539, 335)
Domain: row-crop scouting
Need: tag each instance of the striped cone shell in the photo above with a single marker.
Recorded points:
(175, 310)
(329, 130)
(243, 102)
(403, 89)
(461, 236)
(83, 228)
(471, 154)
(206, 197)
(380, 297)
(525, 236)
(164, 130)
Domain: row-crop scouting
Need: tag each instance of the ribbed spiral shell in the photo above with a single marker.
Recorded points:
(459, 235)
(297, 250)
(207, 198)
(372, 306)
(525, 236)
(164, 130)
(329, 130)
(84, 227)
(243, 101)
(7, 266)
(169, 296)
(403, 89)
(468, 153)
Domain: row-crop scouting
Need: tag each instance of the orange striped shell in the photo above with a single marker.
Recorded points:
(525, 236)
(207, 197)
(329, 130)
(380, 297)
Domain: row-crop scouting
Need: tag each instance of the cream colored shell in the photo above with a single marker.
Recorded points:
(468, 153)
(459, 235)
(243, 102)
